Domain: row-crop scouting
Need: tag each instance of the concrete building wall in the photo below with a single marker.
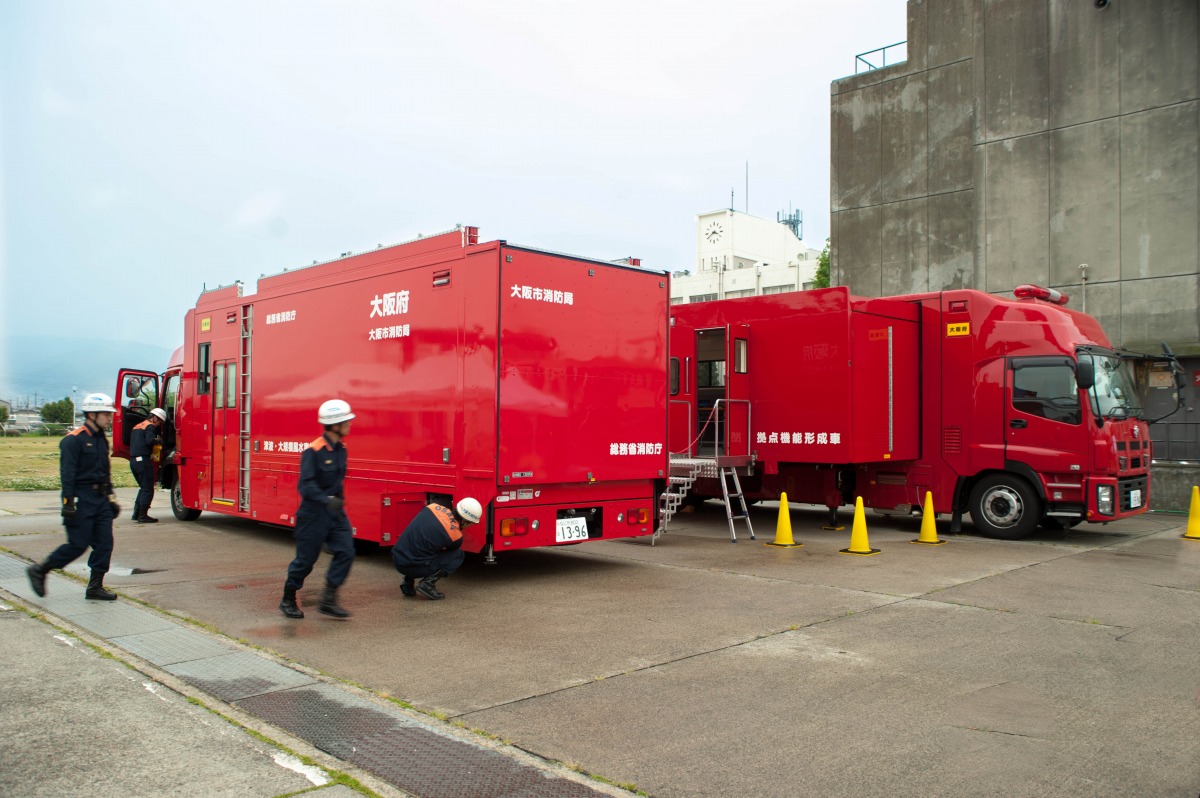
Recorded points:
(1021, 139)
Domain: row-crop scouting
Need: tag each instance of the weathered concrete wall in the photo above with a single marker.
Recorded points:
(1171, 485)
(1021, 139)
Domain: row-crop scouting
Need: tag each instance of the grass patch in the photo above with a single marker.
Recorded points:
(32, 464)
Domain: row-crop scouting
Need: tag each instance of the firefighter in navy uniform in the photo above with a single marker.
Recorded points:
(142, 440)
(88, 503)
(321, 519)
(431, 546)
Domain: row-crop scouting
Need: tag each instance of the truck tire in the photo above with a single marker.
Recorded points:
(181, 512)
(1005, 506)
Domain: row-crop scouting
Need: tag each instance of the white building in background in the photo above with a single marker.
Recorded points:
(742, 255)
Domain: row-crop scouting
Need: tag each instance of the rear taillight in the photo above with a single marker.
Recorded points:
(514, 526)
(638, 515)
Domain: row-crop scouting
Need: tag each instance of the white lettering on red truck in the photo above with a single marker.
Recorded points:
(539, 294)
(806, 438)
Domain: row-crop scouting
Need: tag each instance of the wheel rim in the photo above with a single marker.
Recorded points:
(1002, 507)
(176, 496)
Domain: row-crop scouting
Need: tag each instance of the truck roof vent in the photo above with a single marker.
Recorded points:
(952, 440)
(441, 278)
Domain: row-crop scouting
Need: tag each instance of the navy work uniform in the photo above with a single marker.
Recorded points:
(432, 543)
(320, 521)
(86, 484)
(141, 447)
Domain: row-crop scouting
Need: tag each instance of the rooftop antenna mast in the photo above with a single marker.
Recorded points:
(793, 220)
(747, 187)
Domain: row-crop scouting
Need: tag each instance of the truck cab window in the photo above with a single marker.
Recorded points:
(674, 376)
(1048, 392)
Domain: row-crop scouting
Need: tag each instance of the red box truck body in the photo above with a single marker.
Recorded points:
(1018, 411)
(533, 381)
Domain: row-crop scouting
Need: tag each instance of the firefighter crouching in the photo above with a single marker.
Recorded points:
(431, 546)
(88, 503)
(321, 519)
(142, 441)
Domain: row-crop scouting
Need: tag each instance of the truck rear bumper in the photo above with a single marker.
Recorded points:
(529, 526)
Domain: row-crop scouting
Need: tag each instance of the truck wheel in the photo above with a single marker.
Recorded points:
(1005, 506)
(181, 512)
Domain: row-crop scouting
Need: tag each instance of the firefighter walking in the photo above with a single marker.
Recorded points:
(88, 502)
(321, 519)
(431, 546)
(142, 440)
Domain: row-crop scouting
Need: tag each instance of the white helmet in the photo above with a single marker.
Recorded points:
(97, 403)
(469, 510)
(335, 411)
(159, 413)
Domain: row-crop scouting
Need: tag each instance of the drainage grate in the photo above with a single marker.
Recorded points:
(235, 676)
(329, 718)
(432, 766)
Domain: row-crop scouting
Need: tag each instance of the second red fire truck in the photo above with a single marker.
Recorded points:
(1016, 411)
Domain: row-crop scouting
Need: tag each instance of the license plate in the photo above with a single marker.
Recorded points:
(1135, 498)
(569, 529)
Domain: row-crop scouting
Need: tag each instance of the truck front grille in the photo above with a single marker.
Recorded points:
(1126, 486)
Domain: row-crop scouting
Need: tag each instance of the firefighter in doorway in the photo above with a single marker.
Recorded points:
(88, 502)
(142, 441)
(321, 519)
(431, 546)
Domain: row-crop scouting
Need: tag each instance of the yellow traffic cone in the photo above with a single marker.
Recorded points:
(858, 533)
(1193, 527)
(783, 528)
(928, 524)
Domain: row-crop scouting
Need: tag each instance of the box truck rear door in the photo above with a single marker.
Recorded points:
(583, 371)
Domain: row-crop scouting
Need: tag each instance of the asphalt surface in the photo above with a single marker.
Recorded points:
(1064, 664)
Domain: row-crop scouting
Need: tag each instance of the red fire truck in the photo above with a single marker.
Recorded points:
(1018, 411)
(533, 381)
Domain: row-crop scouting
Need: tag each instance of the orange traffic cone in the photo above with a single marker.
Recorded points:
(783, 528)
(1193, 527)
(928, 524)
(858, 533)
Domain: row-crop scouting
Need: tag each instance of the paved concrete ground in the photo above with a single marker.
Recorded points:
(78, 724)
(1064, 664)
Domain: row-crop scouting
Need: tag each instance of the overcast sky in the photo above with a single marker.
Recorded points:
(148, 148)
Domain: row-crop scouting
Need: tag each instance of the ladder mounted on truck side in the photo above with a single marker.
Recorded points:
(245, 356)
(684, 473)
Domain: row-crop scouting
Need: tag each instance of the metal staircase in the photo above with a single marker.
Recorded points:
(684, 473)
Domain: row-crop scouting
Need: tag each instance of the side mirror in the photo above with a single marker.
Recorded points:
(132, 387)
(1180, 380)
(1085, 373)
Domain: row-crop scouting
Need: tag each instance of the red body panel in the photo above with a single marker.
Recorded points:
(889, 398)
(459, 385)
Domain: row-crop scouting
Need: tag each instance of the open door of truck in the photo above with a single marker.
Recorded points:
(137, 394)
(736, 433)
(682, 426)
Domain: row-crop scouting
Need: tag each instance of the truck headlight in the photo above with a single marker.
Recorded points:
(1104, 499)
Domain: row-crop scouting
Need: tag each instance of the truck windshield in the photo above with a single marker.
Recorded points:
(1114, 394)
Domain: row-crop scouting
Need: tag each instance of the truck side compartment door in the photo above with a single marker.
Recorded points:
(136, 395)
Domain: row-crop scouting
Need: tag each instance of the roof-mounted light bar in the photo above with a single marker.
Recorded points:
(1050, 295)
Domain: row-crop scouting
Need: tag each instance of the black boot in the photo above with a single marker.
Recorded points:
(407, 587)
(96, 591)
(288, 605)
(427, 587)
(145, 519)
(37, 578)
(329, 604)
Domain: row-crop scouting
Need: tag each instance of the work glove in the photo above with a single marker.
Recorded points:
(112, 502)
(68, 509)
(335, 504)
